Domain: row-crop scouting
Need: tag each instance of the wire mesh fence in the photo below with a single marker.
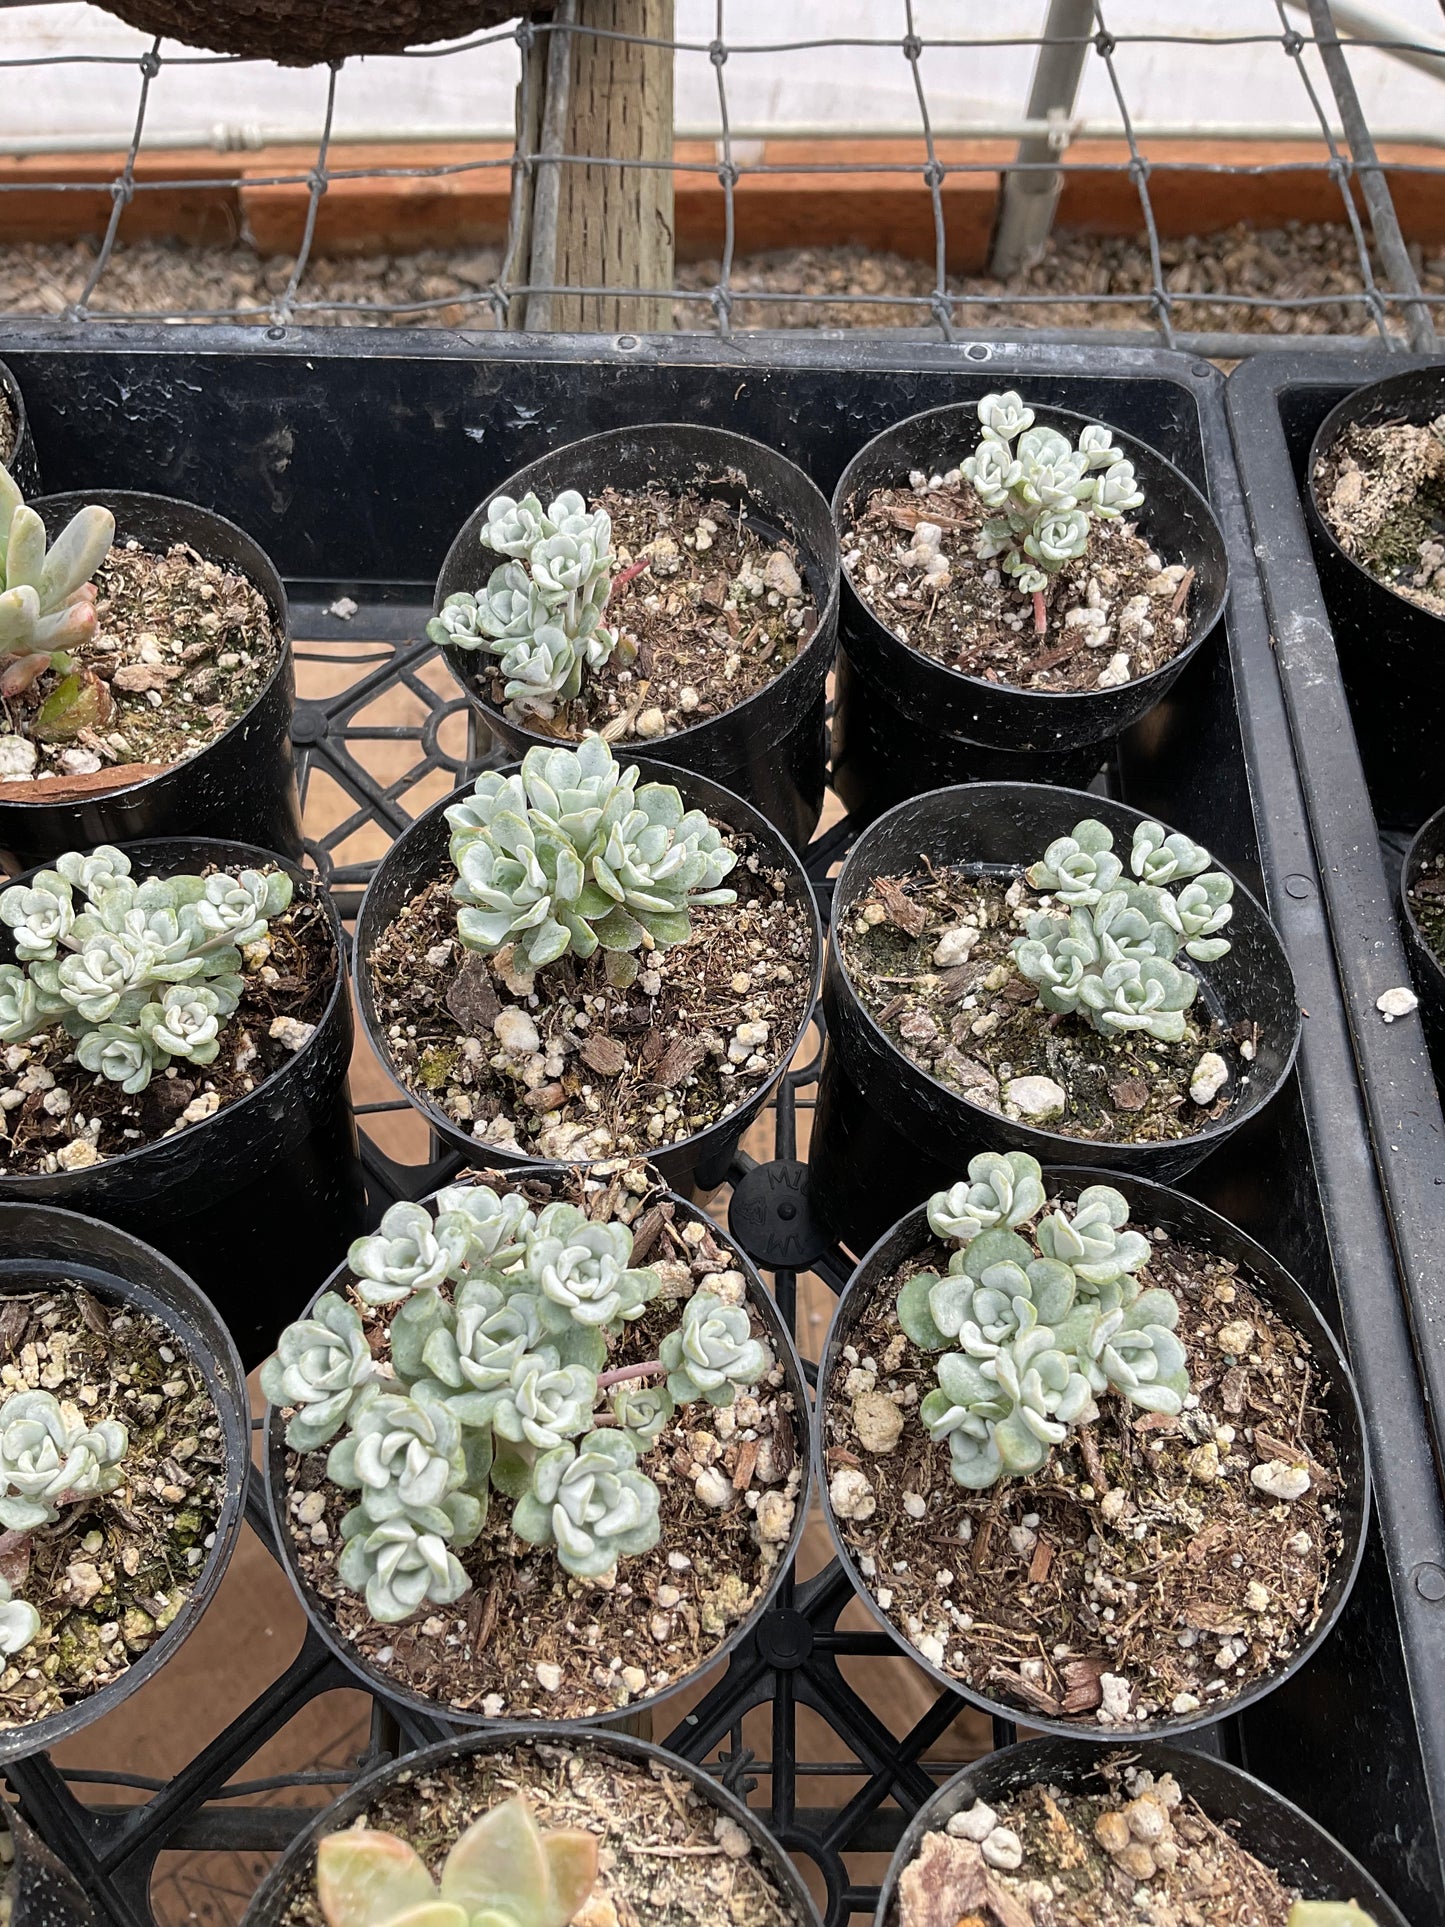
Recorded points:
(1380, 283)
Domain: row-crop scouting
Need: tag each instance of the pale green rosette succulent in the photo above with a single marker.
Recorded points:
(398, 1566)
(411, 1252)
(581, 1271)
(592, 1503)
(404, 1455)
(19, 1621)
(322, 1367)
(714, 1354)
(50, 1457)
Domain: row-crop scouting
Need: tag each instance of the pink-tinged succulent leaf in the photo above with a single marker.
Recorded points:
(25, 550)
(365, 1878)
(572, 1859)
(21, 673)
(19, 613)
(75, 554)
(81, 701)
(499, 1865)
(10, 500)
(68, 627)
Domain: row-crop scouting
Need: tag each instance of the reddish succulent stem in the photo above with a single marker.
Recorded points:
(624, 1372)
(629, 574)
(1041, 613)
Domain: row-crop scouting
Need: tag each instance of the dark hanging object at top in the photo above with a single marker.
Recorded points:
(299, 33)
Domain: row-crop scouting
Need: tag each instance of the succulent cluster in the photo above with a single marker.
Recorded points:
(1042, 1326)
(498, 1385)
(137, 973)
(1110, 957)
(47, 600)
(541, 612)
(570, 854)
(49, 1458)
(1045, 493)
(502, 1872)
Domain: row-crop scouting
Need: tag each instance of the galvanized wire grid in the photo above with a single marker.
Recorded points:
(1391, 304)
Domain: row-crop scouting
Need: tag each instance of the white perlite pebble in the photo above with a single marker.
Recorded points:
(714, 1488)
(1396, 1003)
(975, 1823)
(930, 1648)
(915, 1505)
(549, 1677)
(1211, 1074)
(1280, 1480)
(774, 1518)
(1115, 671)
(1004, 1849)
(731, 1838)
(954, 945)
(493, 1706)
(291, 1032)
(851, 1495)
(77, 1155)
(1038, 1097)
(1114, 1689)
(651, 722)
(780, 574)
(17, 757)
(515, 1031)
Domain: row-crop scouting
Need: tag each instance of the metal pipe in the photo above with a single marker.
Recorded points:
(1368, 24)
(1027, 201)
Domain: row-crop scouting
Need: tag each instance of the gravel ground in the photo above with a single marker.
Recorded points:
(1270, 265)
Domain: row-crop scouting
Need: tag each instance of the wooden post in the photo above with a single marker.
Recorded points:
(614, 225)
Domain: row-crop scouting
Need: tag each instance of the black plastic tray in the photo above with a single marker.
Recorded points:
(352, 457)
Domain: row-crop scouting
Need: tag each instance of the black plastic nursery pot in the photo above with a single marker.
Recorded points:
(1427, 851)
(887, 1133)
(770, 749)
(1264, 1823)
(692, 1164)
(278, 1892)
(243, 784)
(39, 1245)
(1391, 651)
(19, 457)
(903, 723)
(1183, 1217)
(260, 1199)
(380, 1682)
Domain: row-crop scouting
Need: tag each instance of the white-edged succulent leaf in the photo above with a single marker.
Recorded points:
(1080, 867)
(713, 1354)
(543, 1403)
(581, 1270)
(592, 1503)
(411, 1252)
(49, 1456)
(398, 1566)
(405, 1456)
(1096, 1242)
(322, 1366)
(1002, 1189)
(643, 1411)
(19, 1621)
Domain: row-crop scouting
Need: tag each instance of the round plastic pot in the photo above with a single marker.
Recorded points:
(772, 748)
(920, 714)
(19, 458)
(38, 1246)
(262, 1197)
(386, 1684)
(886, 1133)
(1183, 1217)
(419, 856)
(297, 33)
(1427, 848)
(242, 785)
(1263, 1822)
(1391, 651)
(295, 1872)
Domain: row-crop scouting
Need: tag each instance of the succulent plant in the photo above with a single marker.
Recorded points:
(1046, 493)
(49, 1457)
(497, 1227)
(144, 973)
(581, 1269)
(411, 1252)
(47, 600)
(713, 1353)
(488, 1332)
(1329, 1913)
(502, 1872)
(398, 1566)
(543, 1402)
(541, 612)
(1002, 1189)
(570, 853)
(1110, 960)
(19, 1621)
(643, 1412)
(592, 1503)
(1041, 1330)
(323, 1367)
(404, 1455)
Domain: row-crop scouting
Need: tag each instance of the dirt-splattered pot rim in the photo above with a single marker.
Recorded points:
(167, 856)
(277, 1891)
(386, 1684)
(1266, 1824)
(1175, 515)
(1036, 813)
(1183, 1217)
(1429, 842)
(39, 1240)
(419, 857)
(161, 520)
(671, 455)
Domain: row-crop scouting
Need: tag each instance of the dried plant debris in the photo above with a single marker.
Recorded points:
(527, 1641)
(1136, 1848)
(560, 1063)
(182, 647)
(930, 956)
(1427, 900)
(114, 1573)
(1115, 613)
(9, 431)
(666, 1857)
(56, 1116)
(712, 605)
(1154, 1567)
(1382, 492)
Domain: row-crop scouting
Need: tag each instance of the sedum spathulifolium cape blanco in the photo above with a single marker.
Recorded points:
(1045, 494)
(139, 973)
(47, 600)
(1033, 1329)
(569, 854)
(1107, 954)
(492, 1377)
(541, 611)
